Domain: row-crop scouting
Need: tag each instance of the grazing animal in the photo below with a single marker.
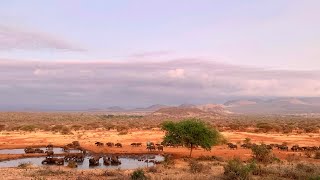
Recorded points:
(29, 150)
(77, 157)
(136, 144)
(151, 148)
(295, 148)
(107, 161)
(160, 148)
(76, 144)
(119, 145)
(232, 146)
(50, 153)
(50, 160)
(246, 146)
(37, 150)
(115, 160)
(49, 146)
(110, 144)
(94, 161)
(99, 143)
(283, 148)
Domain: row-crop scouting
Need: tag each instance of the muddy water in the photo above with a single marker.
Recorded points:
(21, 151)
(126, 163)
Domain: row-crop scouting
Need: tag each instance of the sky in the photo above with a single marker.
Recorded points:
(93, 54)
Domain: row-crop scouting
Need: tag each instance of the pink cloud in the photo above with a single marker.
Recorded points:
(18, 38)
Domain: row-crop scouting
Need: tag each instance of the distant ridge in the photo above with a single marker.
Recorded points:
(292, 105)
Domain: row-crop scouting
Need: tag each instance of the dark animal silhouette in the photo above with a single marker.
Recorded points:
(99, 143)
(51, 160)
(119, 145)
(110, 144)
(160, 148)
(94, 161)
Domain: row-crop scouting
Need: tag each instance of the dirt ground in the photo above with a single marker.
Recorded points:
(17, 139)
(87, 138)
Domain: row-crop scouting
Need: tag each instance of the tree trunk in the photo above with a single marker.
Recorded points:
(191, 150)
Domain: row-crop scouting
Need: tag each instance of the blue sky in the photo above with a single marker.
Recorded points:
(272, 33)
(86, 54)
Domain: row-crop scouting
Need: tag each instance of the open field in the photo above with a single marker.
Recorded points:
(20, 130)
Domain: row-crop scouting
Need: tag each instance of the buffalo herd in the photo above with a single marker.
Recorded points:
(282, 147)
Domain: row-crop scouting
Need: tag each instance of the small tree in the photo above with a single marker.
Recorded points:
(262, 154)
(191, 133)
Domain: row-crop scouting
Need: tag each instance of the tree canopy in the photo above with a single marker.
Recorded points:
(191, 133)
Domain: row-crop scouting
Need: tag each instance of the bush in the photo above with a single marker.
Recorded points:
(138, 175)
(317, 155)
(195, 167)
(57, 128)
(262, 154)
(122, 128)
(308, 154)
(108, 126)
(76, 127)
(152, 169)
(237, 170)
(62, 129)
(167, 160)
(123, 132)
(65, 130)
(2, 127)
(28, 128)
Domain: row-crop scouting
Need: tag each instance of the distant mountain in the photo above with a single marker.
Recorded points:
(178, 112)
(189, 110)
(115, 109)
(275, 106)
(151, 108)
(242, 102)
(187, 105)
(215, 108)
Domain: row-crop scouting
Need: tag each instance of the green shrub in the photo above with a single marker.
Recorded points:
(28, 128)
(195, 167)
(237, 170)
(167, 160)
(262, 154)
(138, 175)
(65, 130)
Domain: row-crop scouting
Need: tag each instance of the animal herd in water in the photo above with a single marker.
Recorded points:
(79, 157)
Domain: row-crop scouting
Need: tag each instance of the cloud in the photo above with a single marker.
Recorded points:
(12, 38)
(103, 84)
(149, 54)
(177, 73)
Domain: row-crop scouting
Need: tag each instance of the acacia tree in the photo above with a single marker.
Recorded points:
(191, 133)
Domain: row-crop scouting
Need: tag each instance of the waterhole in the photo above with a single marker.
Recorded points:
(127, 162)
